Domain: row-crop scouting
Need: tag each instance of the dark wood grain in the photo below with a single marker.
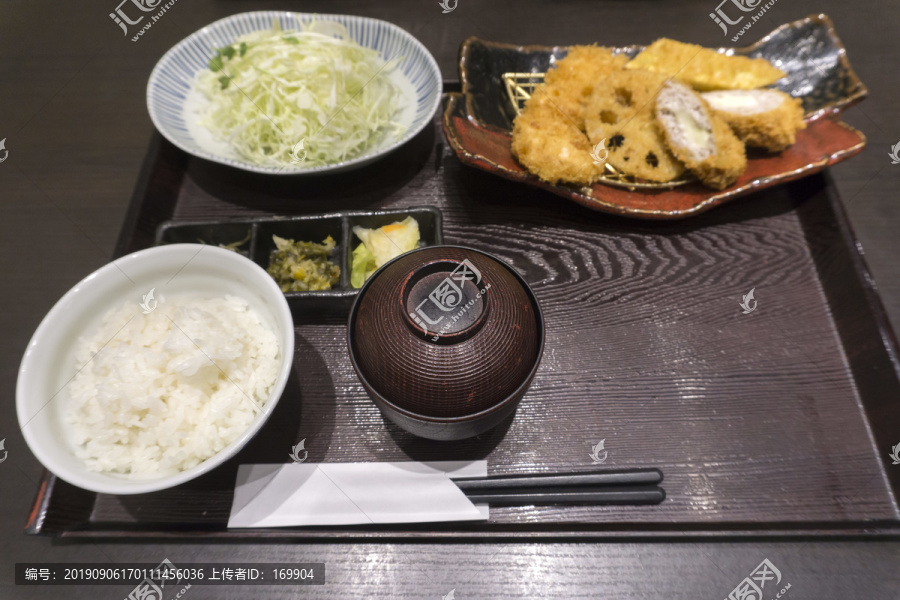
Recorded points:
(758, 421)
(72, 109)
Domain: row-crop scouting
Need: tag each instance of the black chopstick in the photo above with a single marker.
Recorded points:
(571, 495)
(633, 477)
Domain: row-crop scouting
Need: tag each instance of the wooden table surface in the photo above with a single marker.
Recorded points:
(73, 114)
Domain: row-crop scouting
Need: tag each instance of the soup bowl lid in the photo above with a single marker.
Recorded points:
(445, 332)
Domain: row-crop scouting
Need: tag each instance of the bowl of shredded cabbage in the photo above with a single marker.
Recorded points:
(287, 93)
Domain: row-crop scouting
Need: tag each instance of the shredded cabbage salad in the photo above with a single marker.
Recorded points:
(311, 97)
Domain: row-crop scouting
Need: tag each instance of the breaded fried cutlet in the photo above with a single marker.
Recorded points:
(700, 139)
(760, 118)
(621, 112)
(705, 69)
(548, 143)
(570, 83)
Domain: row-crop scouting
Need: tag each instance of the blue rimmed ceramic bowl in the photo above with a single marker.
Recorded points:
(174, 105)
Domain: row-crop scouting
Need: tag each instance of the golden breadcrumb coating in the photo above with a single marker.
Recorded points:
(724, 166)
(593, 97)
(773, 130)
(548, 136)
(621, 112)
(701, 140)
(571, 82)
(549, 145)
(727, 164)
(703, 68)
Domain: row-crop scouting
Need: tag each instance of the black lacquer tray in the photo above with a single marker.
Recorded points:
(774, 423)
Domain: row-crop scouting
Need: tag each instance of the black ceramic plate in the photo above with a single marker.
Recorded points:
(312, 228)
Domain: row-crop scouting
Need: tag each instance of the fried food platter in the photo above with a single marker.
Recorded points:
(498, 78)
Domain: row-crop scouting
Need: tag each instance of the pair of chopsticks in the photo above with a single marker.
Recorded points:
(634, 486)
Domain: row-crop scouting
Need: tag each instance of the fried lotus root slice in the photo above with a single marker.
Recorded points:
(766, 119)
(571, 82)
(620, 115)
(550, 146)
(705, 69)
(699, 138)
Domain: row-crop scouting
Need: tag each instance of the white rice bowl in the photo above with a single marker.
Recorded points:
(161, 392)
(132, 419)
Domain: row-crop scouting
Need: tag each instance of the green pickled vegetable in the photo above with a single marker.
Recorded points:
(303, 266)
(362, 266)
(381, 245)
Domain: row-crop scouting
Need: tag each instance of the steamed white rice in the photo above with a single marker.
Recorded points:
(152, 403)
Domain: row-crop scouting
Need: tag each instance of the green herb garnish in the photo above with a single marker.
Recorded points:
(216, 64)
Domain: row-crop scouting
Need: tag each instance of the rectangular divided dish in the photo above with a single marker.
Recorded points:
(310, 228)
